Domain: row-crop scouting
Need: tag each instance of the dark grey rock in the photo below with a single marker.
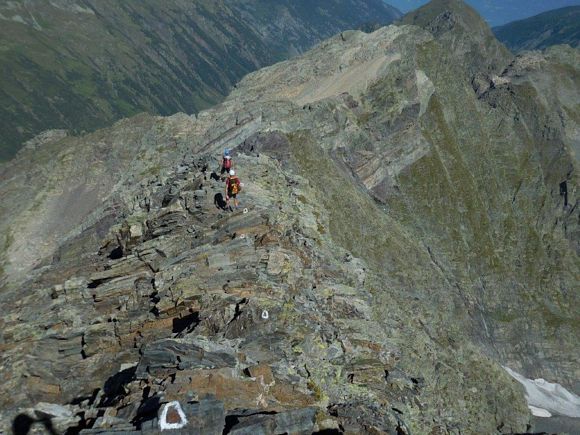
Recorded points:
(165, 355)
(299, 421)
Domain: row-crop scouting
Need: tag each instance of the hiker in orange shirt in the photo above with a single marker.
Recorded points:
(233, 188)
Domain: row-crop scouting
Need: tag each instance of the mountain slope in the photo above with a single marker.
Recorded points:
(82, 64)
(409, 225)
(560, 26)
(498, 12)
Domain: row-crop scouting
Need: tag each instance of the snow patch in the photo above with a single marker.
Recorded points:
(75, 8)
(35, 24)
(539, 412)
(546, 398)
(18, 19)
(79, 9)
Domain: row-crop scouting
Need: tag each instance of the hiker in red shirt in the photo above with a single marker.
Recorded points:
(227, 162)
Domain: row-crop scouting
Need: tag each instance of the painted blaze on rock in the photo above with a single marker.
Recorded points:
(172, 417)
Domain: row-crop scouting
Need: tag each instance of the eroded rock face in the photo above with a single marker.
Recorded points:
(403, 231)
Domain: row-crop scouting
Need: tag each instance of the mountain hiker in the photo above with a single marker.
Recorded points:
(233, 188)
(227, 162)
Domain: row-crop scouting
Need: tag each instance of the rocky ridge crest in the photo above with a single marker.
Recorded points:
(403, 222)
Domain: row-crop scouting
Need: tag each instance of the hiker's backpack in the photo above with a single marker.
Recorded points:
(235, 185)
(227, 163)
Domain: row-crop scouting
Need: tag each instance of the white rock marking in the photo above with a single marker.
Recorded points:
(164, 425)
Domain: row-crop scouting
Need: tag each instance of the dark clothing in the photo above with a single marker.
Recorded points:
(219, 201)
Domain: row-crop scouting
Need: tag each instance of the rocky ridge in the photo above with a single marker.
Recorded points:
(385, 261)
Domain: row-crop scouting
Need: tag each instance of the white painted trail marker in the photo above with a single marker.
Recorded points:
(171, 409)
(265, 315)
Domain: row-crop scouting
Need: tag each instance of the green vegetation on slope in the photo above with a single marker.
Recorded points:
(561, 26)
(81, 66)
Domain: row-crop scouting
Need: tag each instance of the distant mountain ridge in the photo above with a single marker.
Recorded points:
(560, 26)
(497, 12)
(84, 64)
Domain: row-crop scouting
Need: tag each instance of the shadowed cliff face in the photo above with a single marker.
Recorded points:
(151, 56)
(408, 223)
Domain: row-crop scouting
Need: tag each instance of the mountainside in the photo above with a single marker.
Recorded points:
(83, 64)
(409, 224)
(561, 26)
(498, 12)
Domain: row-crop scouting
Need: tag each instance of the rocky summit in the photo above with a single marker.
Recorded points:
(408, 225)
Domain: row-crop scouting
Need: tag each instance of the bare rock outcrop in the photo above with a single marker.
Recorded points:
(408, 225)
